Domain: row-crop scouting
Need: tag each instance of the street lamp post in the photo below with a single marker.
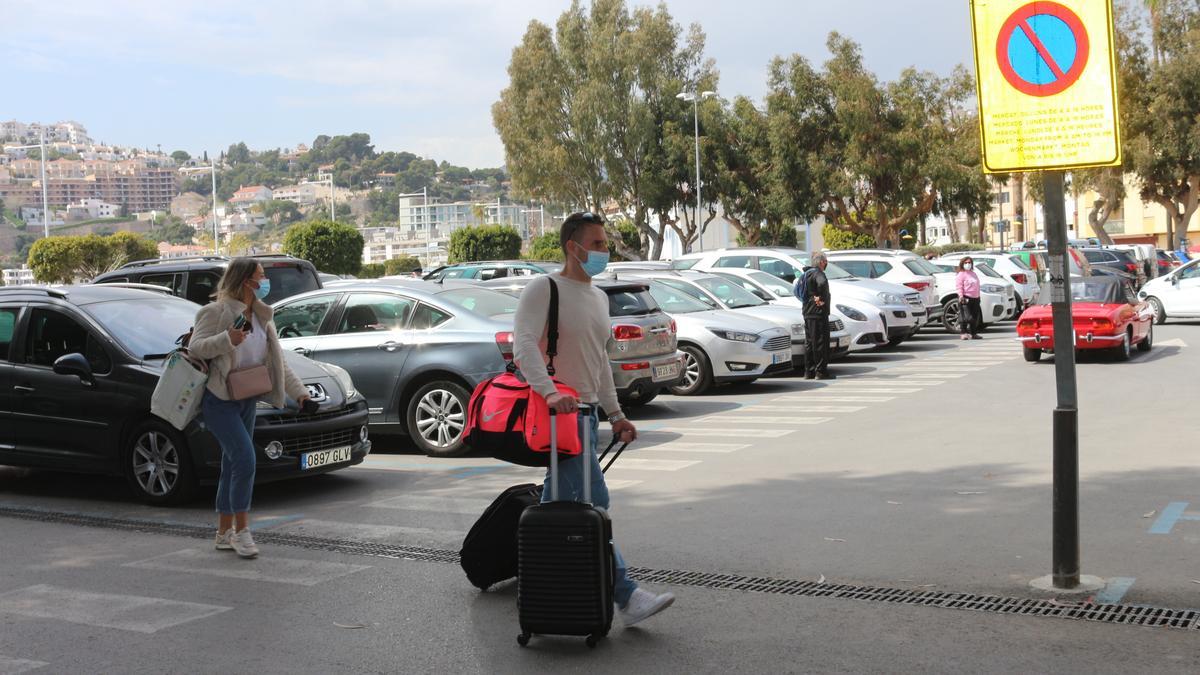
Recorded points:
(695, 100)
(41, 146)
(212, 168)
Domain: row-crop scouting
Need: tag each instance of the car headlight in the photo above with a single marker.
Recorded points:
(343, 378)
(891, 299)
(992, 288)
(851, 313)
(734, 335)
(797, 330)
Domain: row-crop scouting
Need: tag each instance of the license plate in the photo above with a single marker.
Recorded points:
(312, 460)
(666, 372)
(781, 357)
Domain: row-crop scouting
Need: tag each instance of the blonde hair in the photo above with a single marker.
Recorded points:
(240, 270)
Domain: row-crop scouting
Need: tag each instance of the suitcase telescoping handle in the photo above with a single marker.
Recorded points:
(587, 465)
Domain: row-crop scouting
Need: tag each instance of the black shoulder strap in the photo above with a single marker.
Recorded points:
(552, 327)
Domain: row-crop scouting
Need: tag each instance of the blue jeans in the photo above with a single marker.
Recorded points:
(232, 422)
(570, 488)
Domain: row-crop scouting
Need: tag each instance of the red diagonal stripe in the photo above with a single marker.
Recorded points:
(1041, 49)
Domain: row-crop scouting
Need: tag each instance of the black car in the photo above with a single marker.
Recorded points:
(196, 278)
(78, 367)
(1119, 261)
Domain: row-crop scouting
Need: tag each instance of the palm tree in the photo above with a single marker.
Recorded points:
(1156, 8)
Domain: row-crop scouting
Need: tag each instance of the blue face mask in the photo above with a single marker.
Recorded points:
(263, 290)
(595, 264)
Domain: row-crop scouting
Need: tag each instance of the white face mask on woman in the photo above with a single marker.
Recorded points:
(968, 266)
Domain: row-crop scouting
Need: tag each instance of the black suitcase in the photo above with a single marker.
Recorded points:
(565, 572)
(489, 551)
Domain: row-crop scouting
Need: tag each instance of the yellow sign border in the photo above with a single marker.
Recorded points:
(1112, 75)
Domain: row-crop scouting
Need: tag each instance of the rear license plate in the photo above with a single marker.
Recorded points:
(312, 460)
(666, 372)
(781, 357)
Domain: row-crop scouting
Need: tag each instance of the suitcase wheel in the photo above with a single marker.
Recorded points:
(523, 639)
(592, 641)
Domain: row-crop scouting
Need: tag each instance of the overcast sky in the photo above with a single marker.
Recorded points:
(417, 75)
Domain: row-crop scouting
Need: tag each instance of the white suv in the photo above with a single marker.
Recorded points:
(898, 267)
(902, 308)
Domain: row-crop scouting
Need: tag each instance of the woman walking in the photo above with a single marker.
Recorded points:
(236, 336)
(968, 300)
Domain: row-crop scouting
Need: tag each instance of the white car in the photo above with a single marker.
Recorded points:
(902, 308)
(1175, 294)
(1011, 267)
(720, 346)
(863, 321)
(721, 293)
(997, 295)
(899, 267)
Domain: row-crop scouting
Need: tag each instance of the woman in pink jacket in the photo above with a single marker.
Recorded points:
(968, 299)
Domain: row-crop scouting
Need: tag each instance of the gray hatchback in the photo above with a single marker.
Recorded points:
(415, 351)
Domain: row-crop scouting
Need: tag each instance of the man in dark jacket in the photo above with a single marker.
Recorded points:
(816, 319)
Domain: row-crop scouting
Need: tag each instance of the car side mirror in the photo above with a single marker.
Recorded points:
(77, 365)
(1175, 280)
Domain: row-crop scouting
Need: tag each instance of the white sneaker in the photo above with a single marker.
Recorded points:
(244, 544)
(223, 541)
(643, 604)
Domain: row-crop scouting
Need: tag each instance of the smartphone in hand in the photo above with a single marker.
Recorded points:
(239, 323)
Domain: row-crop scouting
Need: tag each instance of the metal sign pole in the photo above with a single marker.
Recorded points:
(1065, 565)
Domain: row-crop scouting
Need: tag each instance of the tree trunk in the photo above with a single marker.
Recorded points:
(1099, 214)
(1019, 205)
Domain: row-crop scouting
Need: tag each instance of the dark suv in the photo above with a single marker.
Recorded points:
(196, 278)
(78, 366)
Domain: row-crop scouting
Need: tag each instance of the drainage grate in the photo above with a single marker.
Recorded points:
(1136, 615)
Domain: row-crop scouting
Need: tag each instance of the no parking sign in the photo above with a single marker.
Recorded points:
(1046, 78)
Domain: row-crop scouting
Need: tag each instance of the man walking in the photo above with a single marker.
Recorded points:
(581, 363)
(816, 319)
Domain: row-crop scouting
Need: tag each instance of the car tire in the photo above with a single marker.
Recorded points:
(950, 316)
(1147, 342)
(1020, 306)
(436, 418)
(157, 465)
(697, 372)
(1032, 355)
(1124, 350)
(1160, 314)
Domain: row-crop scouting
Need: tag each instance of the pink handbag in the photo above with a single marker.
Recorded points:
(249, 383)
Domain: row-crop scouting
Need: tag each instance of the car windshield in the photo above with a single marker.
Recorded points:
(1106, 290)
(288, 279)
(481, 301)
(630, 302)
(921, 267)
(674, 301)
(145, 328)
(987, 271)
(774, 285)
(729, 292)
(832, 271)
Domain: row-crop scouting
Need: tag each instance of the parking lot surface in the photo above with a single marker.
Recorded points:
(925, 468)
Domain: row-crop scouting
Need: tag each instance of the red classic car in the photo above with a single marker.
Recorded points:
(1106, 314)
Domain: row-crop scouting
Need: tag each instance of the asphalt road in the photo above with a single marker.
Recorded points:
(926, 468)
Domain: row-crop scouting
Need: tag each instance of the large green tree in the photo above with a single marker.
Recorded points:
(585, 116)
(65, 259)
(1162, 115)
(488, 242)
(335, 248)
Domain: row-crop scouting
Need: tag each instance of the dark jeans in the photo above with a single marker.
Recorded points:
(816, 344)
(969, 316)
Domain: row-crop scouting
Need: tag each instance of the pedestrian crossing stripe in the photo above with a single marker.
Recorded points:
(298, 571)
(827, 398)
(684, 446)
(639, 464)
(12, 666)
(439, 504)
(898, 382)
(727, 431)
(807, 408)
(878, 390)
(749, 419)
(134, 613)
(375, 533)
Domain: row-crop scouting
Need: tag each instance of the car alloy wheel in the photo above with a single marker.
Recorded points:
(1124, 350)
(1160, 314)
(1147, 342)
(950, 316)
(696, 373)
(156, 464)
(437, 416)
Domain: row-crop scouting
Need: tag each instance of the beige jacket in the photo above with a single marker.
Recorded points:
(210, 341)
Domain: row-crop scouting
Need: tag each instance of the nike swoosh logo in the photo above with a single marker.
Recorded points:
(488, 418)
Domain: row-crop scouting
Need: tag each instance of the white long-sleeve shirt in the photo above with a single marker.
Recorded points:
(583, 332)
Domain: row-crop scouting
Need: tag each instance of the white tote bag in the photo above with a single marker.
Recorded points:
(180, 389)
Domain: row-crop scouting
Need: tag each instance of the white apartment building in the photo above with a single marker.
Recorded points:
(21, 276)
(381, 244)
(68, 132)
(301, 195)
(87, 209)
(441, 218)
